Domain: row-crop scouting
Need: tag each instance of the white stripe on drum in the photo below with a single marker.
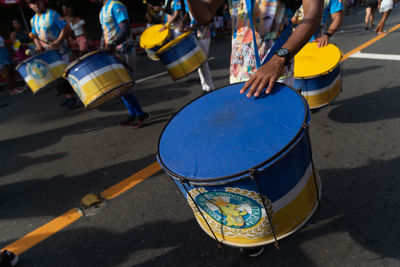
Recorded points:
(57, 63)
(292, 194)
(184, 58)
(322, 90)
(99, 72)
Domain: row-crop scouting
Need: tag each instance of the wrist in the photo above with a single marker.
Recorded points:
(284, 54)
(328, 34)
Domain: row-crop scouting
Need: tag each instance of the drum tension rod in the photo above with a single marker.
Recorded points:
(299, 90)
(253, 175)
(306, 128)
(219, 243)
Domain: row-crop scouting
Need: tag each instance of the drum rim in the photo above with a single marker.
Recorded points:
(33, 57)
(156, 44)
(174, 42)
(241, 174)
(323, 73)
(89, 107)
(75, 62)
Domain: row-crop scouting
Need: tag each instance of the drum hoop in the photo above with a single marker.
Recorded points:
(241, 174)
(323, 73)
(110, 91)
(174, 42)
(33, 57)
(72, 64)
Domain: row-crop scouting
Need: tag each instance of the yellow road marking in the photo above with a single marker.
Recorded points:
(130, 182)
(59, 223)
(370, 42)
(43, 232)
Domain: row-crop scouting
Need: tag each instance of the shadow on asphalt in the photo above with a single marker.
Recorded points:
(63, 191)
(349, 72)
(358, 202)
(375, 106)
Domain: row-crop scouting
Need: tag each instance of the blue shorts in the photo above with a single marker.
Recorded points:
(5, 57)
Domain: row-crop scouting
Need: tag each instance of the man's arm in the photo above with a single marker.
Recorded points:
(337, 18)
(203, 10)
(122, 35)
(270, 72)
(58, 41)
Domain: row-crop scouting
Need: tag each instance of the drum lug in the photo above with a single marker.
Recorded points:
(306, 126)
(299, 90)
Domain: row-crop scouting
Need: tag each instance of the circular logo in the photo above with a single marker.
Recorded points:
(230, 209)
(38, 69)
(75, 84)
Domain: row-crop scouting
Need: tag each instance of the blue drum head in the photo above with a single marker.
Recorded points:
(224, 134)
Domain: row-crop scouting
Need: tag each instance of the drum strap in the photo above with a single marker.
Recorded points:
(281, 40)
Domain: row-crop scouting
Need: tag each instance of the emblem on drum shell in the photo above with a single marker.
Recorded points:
(75, 84)
(38, 69)
(231, 209)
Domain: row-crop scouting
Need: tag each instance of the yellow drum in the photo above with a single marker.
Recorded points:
(182, 55)
(317, 71)
(43, 71)
(97, 78)
(152, 40)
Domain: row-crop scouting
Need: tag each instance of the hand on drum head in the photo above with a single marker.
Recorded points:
(265, 76)
(322, 41)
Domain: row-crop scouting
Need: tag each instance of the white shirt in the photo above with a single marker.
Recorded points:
(77, 28)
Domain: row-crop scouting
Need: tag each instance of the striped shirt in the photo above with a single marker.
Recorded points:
(47, 26)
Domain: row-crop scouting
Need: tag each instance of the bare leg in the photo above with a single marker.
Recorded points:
(371, 23)
(367, 17)
(10, 75)
(379, 28)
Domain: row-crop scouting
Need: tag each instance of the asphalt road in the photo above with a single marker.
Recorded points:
(51, 157)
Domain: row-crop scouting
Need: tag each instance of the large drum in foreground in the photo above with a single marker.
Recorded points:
(97, 78)
(43, 71)
(317, 71)
(182, 55)
(152, 40)
(244, 165)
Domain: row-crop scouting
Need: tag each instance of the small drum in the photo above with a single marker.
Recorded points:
(97, 78)
(317, 71)
(244, 165)
(43, 71)
(152, 40)
(182, 55)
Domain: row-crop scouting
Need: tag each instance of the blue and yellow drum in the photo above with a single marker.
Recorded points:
(182, 55)
(152, 40)
(97, 78)
(43, 71)
(317, 71)
(244, 165)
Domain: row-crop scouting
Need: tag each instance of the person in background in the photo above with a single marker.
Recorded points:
(384, 6)
(370, 8)
(117, 39)
(79, 38)
(154, 14)
(51, 30)
(219, 22)
(6, 63)
(334, 8)
(22, 38)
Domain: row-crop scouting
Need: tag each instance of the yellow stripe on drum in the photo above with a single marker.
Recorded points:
(98, 88)
(188, 66)
(287, 220)
(55, 72)
(325, 97)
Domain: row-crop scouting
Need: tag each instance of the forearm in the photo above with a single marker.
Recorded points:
(203, 10)
(123, 34)
(308, 26)
(336, 22)
(61, 36)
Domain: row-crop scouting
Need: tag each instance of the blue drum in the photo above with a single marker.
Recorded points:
(244, 165)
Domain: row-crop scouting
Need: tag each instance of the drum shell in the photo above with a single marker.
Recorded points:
(288, 185)
(182, 57)
(321, 90)
(52, 66)
(98, 78)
